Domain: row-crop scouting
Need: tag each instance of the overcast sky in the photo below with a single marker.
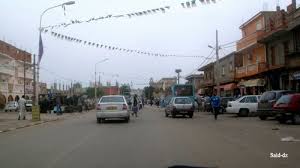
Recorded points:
(179, 31)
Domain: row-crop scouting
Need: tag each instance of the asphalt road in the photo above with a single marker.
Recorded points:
(151, 141)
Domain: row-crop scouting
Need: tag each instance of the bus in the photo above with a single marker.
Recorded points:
(182, 90)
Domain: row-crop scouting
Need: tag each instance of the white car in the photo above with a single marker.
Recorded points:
(113, 106)
(244, 105)
(11, 106)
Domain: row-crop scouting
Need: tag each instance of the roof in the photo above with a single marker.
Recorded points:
(206, 66)
(254, 17)
(227, 56)
(194, 76)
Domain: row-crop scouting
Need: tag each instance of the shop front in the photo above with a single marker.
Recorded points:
(252, 87)
(228, 90)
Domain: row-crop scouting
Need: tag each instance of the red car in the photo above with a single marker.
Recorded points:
(288, 108)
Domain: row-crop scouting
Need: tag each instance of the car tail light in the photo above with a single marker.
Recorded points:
(98, 107)
(125, 107)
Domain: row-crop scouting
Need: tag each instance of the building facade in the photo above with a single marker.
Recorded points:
(209, 81)
(228, 86)
(16, 73)
(197, 81)
(282, 40)
(250, 58)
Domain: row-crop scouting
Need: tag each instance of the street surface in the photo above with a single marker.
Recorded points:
(151, 141)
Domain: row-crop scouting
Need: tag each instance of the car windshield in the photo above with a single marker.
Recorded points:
(112, 100)
(284, 99)
(267, 96)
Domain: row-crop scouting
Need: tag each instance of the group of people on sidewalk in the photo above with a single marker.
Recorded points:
(215, 103)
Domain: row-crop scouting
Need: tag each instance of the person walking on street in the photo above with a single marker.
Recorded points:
(215, 103)
(58, 106)
(22, 110)
(135, 106)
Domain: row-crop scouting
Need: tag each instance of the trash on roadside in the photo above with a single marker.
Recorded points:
(289, 139)
(275, 128)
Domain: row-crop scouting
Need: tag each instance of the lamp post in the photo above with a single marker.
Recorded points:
(96, 75)
(36, 88)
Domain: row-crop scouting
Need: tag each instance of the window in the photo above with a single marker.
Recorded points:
(272, 55)
(286, 48)
(258, 25)
(251, 99)
(112, 100)
(230, 67)
(223, 70)
(243, 100)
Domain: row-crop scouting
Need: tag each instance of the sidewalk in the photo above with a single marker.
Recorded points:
(9, 120)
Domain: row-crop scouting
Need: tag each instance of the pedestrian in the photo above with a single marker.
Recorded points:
(135, 106)
(215, 103)
(58, 106)
(22, 110)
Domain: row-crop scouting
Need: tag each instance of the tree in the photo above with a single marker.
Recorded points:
(125, 89)
(90, 92)
(148, 92)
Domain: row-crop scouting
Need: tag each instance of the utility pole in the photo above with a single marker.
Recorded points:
(218, 64)
(34, 81)
(24, 76)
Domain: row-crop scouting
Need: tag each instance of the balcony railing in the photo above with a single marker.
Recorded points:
(250, 70)
(28, 75)
(249, 40)
(8, 70)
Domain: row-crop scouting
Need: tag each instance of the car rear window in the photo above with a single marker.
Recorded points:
(183, 101)
(284, 99)
(112, 100)
(268, 96)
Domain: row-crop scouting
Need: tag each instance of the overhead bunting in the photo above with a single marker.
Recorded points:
(108, 47)
(188, 4)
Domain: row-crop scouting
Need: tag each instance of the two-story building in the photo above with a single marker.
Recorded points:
(282, 41)
(16, 72)
(227, 81)
(197, 81)
(250, 59)
(209, 82)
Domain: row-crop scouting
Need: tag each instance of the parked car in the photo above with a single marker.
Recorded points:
(288, 108)
(267, 101)
(224, 103)
(244, 105)
(11, 106)
(180, 106)
(112, 106)
(28, 105)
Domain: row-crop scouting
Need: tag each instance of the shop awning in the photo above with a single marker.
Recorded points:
(227, 87)
(252, 83)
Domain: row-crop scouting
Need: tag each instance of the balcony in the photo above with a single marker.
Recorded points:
(208, 82)
(7, 70)
(250, 70)
(28, 75)
(249, 40)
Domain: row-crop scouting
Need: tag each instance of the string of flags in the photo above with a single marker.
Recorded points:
(164, 9)
(109, 47)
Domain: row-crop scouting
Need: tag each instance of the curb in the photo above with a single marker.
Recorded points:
(36, 123)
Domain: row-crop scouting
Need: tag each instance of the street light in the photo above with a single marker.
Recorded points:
(36, 78)
(96, 75)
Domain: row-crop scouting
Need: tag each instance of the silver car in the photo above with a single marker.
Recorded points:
(180, 105)
(113, 106)
(11, 106)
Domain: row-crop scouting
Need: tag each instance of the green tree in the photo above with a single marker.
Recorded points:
(148, 92)
(90, 91)
(125, 89)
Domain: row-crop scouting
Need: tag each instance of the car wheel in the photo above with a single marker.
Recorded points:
(243, 113)
(166, 114)
(296, 119)
(127, 119)
(262, 117)
(282, 119)
(191, 115)
(99, 120)
(173, 114)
